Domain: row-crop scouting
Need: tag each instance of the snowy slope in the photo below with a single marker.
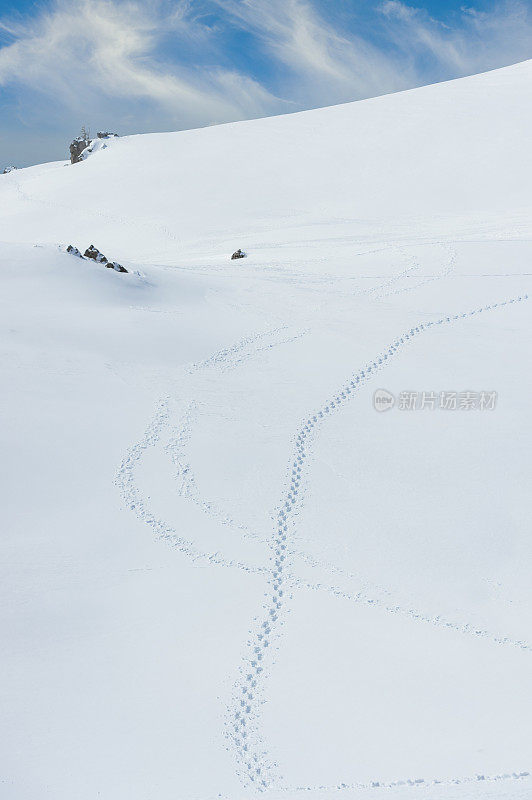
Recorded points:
(222, 571)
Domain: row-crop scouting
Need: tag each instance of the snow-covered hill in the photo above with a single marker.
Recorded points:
(223, 572)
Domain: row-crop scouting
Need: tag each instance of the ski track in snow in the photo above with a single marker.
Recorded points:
(413, 782)
(243, 714)
(135, 502)
(447, 270)
(379, 292)
(125, 479)
(254, 766)
(186, 480)
(245, 349)
(367, 593)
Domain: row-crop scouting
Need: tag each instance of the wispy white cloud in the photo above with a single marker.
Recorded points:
(477, 41)
(394, 8)
(83, 51)
(325, 64)
(147, 65)
(322, 64)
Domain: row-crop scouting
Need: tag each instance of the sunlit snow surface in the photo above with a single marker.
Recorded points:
(222, 571)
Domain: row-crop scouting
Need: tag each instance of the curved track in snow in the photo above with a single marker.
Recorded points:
(243, 715)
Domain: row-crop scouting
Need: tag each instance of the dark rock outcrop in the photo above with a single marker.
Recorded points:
(74, 251)
(106, 135)
(238, 254)
(76, 149)
(114, 265)
(94, 253)
(7, 170)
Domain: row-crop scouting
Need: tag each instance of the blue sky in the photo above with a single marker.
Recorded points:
(151, 65)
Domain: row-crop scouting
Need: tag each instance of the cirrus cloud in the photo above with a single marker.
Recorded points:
(145, 65)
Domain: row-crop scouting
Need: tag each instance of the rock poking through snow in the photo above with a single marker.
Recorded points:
(114, 265)
(238, 254)
(94, 253)
(74, 251)
(82, 146)
(76, 149)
